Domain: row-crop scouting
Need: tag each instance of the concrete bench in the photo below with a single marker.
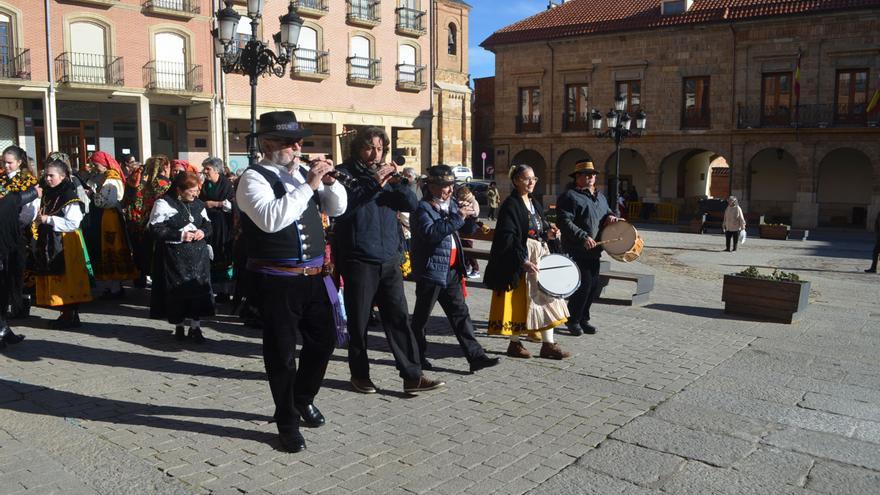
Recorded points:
(644, 285)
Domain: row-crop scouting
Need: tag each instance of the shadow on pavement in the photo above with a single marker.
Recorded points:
(714, 313)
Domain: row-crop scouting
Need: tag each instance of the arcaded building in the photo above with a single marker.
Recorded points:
(451, 141)
(762, 99)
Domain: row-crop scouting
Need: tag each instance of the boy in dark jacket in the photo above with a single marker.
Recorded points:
(439, 265)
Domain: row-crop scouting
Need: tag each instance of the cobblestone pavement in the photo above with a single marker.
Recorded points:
(672, 397)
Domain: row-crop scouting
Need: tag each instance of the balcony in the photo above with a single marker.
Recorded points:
(528, 123)
(572, 122)
(364, 13)
(184, 9)
(172, 77)
(99, 3)
(310, 64)
(410, 22)
(806, 116)
(89, 69)
(16, 64)
(364, 71)
(411, 78)
(311, 8)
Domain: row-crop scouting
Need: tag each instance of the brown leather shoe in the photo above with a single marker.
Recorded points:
(421, 384)
(517, 350)
(553, 351)
(363, 385)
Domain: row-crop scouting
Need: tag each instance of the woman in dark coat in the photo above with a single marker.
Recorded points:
(521, 238)
(181, 268)
(10, 207)
(217, 194)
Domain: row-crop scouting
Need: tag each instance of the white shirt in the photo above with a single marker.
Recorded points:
(69, 222)
(256, 199)
(28, 211)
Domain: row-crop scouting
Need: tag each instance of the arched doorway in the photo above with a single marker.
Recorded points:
(772, 184)
(565, 166)
(690, 175)
(844, 188)
(536, 161)
(633, 173)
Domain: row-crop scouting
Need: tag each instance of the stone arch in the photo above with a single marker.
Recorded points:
(633, 171)
(772, 184)
(565, 166)
(844, 187)
(536, 160)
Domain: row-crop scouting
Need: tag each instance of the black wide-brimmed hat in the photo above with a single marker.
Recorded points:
(440, 174)
(281, 125)
(583, 167)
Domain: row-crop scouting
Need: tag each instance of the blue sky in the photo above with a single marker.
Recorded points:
(488, 16)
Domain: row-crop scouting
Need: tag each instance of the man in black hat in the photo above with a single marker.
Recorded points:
(281, 218)
(581, 210)
(439, 265)
(368, 250)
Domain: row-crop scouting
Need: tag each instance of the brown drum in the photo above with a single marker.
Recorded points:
(621, 240)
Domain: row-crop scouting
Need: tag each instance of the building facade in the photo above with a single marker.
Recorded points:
(482, 125)
(451, 142)
(764, 102)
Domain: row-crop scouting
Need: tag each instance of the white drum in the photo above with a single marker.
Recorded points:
(559, 276)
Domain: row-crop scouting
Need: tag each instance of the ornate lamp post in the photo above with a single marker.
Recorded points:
(255, 59)
(619, 123)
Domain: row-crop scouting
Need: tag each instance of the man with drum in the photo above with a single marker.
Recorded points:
(581, 211)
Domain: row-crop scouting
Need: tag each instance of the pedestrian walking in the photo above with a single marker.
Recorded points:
(493, 199)
(518, 306)
(734, 222)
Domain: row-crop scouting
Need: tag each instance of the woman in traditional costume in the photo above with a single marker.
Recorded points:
(217, 194)
(10, 234)
(60, 262)
(156, 180)
(518, 305)
(182, 269)
(115, 262)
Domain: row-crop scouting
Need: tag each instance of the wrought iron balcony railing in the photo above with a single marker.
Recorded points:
(314, 8)
(160, 75)
(186, 8)
(805, 116)
(528, 123)
(307, 61)
(16, 64)
(89, 68)
(411, 21)
(411, 77)
(364, 70)
(363, 12)
(575, 122)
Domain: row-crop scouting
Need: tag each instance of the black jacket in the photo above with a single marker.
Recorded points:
(580, 214)
(509, 250)
(369, 230)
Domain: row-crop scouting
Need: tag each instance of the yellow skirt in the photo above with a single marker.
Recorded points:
(117, 261)
(72, 287)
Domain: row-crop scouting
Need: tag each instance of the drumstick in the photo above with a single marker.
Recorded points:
(552, 267)
(606, 241)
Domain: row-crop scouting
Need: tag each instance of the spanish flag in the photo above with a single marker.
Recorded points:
(873, 104)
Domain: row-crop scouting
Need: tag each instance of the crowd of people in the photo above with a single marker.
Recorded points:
(301, 247)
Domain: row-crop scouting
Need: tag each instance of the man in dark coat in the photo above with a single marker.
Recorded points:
(581, 211)
(439, 265)
(368, 253)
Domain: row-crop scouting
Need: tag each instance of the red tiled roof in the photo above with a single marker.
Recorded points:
(583, 17)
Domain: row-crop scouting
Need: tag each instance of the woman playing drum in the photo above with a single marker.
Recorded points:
(518, 305)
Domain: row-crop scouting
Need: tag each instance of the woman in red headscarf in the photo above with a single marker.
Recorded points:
(112, 256)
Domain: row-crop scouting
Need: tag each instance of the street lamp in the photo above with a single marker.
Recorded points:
(255, 59)
(619, 123)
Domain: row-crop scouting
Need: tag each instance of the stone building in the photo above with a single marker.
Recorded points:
(483, 123)
(719, 81)
(451, 142)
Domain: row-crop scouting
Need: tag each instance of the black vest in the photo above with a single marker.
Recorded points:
(302, 240)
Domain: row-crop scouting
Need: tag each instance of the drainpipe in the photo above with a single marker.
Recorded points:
(50, 112)
(552, 85)
(220, 100)
(433, 57)
(735, 117)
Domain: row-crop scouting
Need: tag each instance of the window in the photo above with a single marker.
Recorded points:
(530, 110)
(452, 49)
(577, 111)
(776, 98)
(407, 59)
(171, 67)
(360, 57)
(851, 96)
(244, 32)
(307, 50)
(88, 58)
(631, 91)
(695, 102)
(6, 44)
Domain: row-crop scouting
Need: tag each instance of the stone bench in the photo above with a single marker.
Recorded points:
(644, 285)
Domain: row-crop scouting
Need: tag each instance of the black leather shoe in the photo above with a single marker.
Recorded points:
(310, 415)
(871, 270)
(179, 333)
(196, 335)
(292, 440)
(575, 329)
(363, 385)
(482, 362)
(589, 329)
(8, 337)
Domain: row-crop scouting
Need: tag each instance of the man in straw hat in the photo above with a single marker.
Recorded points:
(281, 218)
(581, 212)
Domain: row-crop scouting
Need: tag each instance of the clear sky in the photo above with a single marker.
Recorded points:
(488, 16)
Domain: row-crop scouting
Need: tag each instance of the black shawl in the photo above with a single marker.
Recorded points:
(509, 251)
(221, 221)
(9, 229)
(48, 250)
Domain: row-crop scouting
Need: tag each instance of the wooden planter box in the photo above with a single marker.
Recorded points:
(784, 302)
(779, 232)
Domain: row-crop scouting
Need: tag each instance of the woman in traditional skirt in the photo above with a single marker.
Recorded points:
(218, 194)
(519, 307)
(10, 234)
(60, 262)
(116, 262)
(181, 269)
(156, 180)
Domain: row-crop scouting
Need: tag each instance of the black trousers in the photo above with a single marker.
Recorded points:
(731, 234)
(382, 283)
(14, 276)
(4, 288)
(452, 301)
(580, 302)
(289, 304)
(876, 253)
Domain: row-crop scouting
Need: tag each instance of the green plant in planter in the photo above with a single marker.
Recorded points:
(752, 272)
